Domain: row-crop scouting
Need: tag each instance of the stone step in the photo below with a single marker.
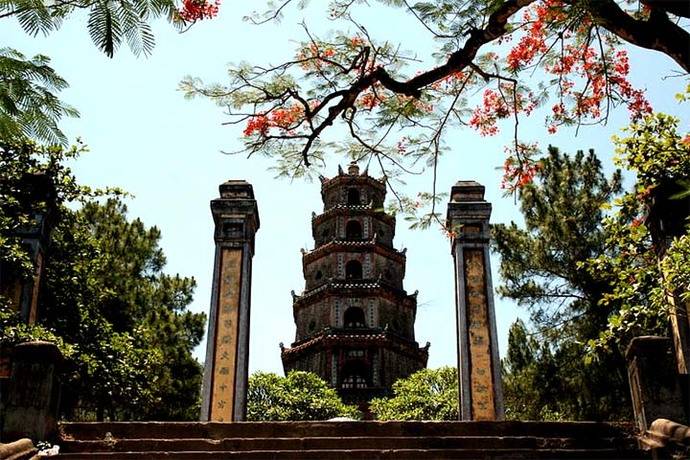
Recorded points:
(212, 430)
(339, 443)
(367, 454)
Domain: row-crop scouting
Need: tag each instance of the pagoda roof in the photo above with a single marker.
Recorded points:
(343, 209)
(336, 245)
(368, 287)
(352, 175)
(356, 338)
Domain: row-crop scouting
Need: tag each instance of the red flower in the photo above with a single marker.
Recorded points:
(195, 10)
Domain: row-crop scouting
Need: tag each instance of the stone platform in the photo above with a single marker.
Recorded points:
(352, 440)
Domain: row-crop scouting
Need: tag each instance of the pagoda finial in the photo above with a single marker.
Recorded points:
(340, 170)
(353, 168)
(323, 178)
(366, 171)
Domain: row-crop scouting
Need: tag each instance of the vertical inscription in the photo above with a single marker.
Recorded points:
(341, 265)
(372, 321)
(33, 309)
(481, 378)
(224, 360)
(338, 318)
(334, 369)
(679, 331)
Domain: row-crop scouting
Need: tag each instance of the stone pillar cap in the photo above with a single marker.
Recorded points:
(37, 350)
(467, 190)
(647, 344)
(236, 189)
(467, 203)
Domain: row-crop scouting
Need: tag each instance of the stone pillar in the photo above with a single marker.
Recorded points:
(655, 388)
(37, 198)
(481, 393)
(236, 218)
(666, 220)
(30, 408)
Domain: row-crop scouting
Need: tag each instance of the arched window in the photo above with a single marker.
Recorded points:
(355, 375)
(353, 270)
(353, 230)
(353, 198)
(354, 317)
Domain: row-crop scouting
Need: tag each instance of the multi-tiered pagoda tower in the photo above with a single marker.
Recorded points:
(355, 322)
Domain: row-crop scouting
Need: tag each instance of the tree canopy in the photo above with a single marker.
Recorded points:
(297, 396)
(519, 54)
(543, 268)
(429, 394)
(586, 268)
(119, 319)
(109, 24)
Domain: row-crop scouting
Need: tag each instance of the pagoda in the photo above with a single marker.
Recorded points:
(355, 322)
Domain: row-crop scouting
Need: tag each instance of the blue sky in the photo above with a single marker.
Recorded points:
(146, 138)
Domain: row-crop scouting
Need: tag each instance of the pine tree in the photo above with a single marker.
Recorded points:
(543, 268)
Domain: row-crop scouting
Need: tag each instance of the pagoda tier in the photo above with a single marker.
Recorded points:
(355, 322)
(360, 364)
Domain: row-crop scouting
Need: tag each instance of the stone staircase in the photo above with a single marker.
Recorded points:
(352, 440)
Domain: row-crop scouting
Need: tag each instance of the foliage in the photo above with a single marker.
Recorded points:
(543, 268)
(136, 339)
(676, 267)
(396, 115)
(298, 396)
(562, 209)
(28, 105)
(545, 381)
(18, 160)
(109, 23)
(104, 299)
(617, 288)
(532, 386)
(629, 266)
(15, 331)
(429, 394)
(655, 150)
(659, 155)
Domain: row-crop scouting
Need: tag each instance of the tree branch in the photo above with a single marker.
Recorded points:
(658, 33)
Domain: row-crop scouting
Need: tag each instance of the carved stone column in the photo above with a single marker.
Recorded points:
(666, 220)
(654, 384)
(37, 197)
(236, 218)
(30, 408)
(659, 368)
(479, 373)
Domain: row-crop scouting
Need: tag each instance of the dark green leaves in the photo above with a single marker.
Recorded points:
(299, 396)
(123, 323)
(429, 394)
(110, 22)
(28, 105)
